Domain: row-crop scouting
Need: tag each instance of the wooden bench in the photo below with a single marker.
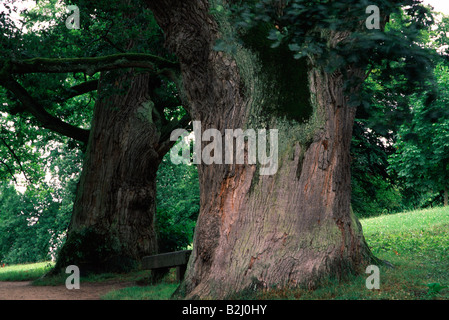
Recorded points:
(178, 259)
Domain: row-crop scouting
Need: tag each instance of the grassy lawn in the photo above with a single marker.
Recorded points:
(416, 243)
(24, 272)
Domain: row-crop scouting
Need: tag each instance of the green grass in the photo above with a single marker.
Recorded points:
(406, 221)
(421, 235)
(145, 291)
(56, 280)
(24, 272)
(416, 243)
(162, 291)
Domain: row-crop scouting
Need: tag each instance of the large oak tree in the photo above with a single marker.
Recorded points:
(295, 227)
(113, 219)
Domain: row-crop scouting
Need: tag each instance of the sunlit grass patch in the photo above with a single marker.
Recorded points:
(24, 272)
(421, 233)
(406, 221)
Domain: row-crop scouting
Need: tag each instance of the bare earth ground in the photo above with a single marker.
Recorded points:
(23, 290)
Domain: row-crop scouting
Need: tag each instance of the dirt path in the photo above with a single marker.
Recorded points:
(23, 290)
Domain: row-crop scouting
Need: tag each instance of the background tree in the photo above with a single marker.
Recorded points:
(125, 138)
(388, 97)
(31, 225)
(377, 188)
(422, 150)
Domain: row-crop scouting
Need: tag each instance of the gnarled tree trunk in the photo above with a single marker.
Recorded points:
(112, 223)
(261, 231)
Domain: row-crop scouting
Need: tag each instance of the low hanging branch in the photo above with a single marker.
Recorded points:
(78, 90)
(90, 66)
(46, 119)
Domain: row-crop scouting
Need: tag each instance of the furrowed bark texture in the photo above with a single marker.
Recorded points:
(257, 232)
(112, 223)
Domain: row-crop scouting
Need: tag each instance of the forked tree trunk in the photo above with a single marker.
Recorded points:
(112, 223)
(254, 231)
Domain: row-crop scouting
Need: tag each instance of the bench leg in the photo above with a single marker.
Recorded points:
(180, 271)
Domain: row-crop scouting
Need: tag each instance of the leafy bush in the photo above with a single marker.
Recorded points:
(178, 204)
(380, 198)
(29, 224)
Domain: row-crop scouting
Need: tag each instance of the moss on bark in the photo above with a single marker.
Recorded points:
(286, 76)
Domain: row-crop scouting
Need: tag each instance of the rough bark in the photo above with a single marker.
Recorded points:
(112, 223)
(255, 231)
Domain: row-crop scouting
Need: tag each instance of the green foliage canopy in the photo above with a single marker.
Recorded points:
(422, 156)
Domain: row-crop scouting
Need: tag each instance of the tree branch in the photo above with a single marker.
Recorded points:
(9, 170)
(17, 159)
(69, 93)
(78, 90)
(46, 119)
(91, 65)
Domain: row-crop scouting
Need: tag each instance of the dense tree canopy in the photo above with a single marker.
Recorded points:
(422, 155)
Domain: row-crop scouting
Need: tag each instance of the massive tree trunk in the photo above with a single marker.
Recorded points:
(112, 223)
(292, 228)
